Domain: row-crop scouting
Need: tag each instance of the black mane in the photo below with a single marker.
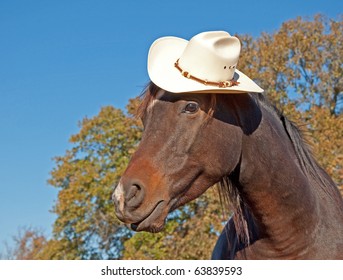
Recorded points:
(229, 186)
(307, 161)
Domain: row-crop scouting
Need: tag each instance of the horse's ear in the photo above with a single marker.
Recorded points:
(248, 112)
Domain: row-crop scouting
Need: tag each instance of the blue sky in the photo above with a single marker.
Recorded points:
(63, 60)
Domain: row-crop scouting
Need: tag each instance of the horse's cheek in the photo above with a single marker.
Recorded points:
(223, 151)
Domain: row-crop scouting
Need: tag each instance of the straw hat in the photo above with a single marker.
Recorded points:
(206, 63)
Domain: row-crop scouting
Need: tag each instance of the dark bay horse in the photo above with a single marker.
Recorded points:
(285, 205)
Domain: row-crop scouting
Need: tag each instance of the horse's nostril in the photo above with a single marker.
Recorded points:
(132, 192)
(134, 196)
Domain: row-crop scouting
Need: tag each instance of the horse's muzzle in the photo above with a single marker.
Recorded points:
(126, 199)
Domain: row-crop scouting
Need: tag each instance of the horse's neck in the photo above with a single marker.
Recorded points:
(275, 189)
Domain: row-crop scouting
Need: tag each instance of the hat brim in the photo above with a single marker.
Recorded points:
(163, 54)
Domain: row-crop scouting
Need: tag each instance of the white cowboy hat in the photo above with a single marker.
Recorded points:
(206, 63)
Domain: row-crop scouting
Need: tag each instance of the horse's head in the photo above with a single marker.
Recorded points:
(189, 143)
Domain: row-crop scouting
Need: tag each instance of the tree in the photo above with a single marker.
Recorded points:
(29, 244)
(326, 140)
(301, 63)
(300, 68)
(86, 226)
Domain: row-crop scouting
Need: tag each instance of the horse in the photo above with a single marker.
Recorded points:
(285, 205)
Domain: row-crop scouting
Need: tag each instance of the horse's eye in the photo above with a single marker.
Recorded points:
(191, 108)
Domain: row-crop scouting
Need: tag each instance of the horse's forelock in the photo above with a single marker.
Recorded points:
(148, 96)
(150, 93)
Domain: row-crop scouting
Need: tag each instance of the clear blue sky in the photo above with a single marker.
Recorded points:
(63, 60)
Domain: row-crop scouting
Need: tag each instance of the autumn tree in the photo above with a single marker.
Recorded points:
(29, 244)
(300, 68)
(86, 226)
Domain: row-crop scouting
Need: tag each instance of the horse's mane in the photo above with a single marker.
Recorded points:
(229, 185)
(307, 161)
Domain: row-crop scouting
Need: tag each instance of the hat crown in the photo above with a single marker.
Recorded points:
(211, 56)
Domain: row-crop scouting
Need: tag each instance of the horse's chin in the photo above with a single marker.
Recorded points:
(153, 222)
